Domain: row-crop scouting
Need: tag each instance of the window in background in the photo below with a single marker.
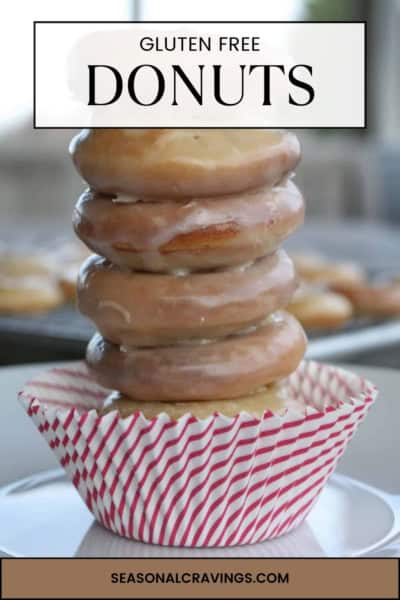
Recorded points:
(16, 43)
(341, 175)
(219, 10)
(38, 186)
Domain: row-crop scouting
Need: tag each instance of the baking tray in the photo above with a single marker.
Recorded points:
(64, 333)
(61, 330)
(65, 330)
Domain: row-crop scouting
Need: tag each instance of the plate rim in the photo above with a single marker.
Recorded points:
(392, 501)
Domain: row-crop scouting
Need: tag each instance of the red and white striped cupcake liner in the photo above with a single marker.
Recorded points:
(199, 482)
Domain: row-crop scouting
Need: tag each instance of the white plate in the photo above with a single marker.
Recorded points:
(43, 515)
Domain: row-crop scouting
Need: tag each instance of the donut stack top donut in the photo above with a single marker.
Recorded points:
(183, 163)
(187, 226)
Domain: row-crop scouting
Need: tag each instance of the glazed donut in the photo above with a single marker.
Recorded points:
(200, 234)
(227, 368)
(320, 309)
(27, 283)
(28, 294)
(16, 264)
(275, 398)
(373, 299)
(143, 309)
(67, 278)
(183, 163)
(315, 269)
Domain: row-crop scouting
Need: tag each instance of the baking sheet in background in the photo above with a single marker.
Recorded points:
(63, 334)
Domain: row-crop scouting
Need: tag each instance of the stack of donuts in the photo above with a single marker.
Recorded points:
(188, 284)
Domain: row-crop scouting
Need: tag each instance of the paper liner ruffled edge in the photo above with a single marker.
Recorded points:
(183, 482)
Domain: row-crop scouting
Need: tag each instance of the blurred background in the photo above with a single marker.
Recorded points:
(350, 178)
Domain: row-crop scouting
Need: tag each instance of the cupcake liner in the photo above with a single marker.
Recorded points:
(199, 482)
